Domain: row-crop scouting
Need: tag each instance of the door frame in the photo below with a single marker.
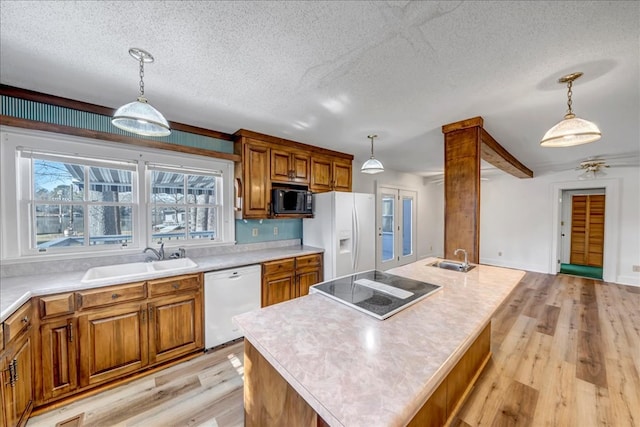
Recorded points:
(399, 231)
(612, 213)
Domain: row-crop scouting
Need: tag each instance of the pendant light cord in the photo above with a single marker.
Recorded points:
(141, 76)
(569, 93)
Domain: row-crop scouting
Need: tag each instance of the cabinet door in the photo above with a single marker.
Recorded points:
(17, 380)
(280, 165)
(278, 289)
(320, 174)
(59, 357)
(256, 181)
(306, 278)
(175, 326)
(300, 168)
(113, 342)
(341, 173)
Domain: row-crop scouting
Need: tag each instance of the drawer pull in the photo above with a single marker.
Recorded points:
(70, 326)
(25, 319)
(14, 362)
(150, 314)
(176, 286)
(114, 296)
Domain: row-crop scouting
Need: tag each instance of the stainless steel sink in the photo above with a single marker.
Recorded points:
(452, 265)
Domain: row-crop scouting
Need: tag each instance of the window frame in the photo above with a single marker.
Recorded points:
(15, 229)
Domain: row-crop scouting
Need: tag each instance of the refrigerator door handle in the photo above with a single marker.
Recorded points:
(356, 240)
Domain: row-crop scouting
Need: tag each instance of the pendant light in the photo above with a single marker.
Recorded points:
(572, 130)
(372, 165)
(139, 116)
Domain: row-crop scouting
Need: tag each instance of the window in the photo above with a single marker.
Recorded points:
(79, 202)
(72, 196)
(185, 205)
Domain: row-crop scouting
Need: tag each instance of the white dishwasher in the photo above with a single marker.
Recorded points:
(228, 293)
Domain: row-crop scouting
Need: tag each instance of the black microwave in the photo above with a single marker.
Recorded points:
(291, 201)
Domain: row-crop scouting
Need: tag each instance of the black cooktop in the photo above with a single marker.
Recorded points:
(376, 293)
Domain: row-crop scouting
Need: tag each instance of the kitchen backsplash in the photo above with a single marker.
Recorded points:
(266, 230)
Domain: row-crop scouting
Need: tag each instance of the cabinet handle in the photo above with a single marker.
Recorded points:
(142, 314)
(14, 362)
(70, 327)
(176, 286)
(114, 296)
(25, 319)
(10, 370)
(150, 314)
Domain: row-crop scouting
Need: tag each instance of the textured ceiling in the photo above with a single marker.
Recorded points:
(330, 73)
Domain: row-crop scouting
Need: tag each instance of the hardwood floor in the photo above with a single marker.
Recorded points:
(566, 352)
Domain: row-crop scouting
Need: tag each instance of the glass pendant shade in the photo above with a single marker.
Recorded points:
(141, 118)
(372, 166)
(591, 174)
(571, 131)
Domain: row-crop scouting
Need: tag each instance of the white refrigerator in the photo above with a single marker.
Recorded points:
(343, 224)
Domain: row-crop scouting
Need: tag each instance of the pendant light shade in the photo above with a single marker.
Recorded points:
(372, 165)
(139, 116)
(571, 130)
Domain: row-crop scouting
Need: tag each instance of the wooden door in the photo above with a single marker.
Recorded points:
(175, 326)
(341, 175)
(587, 229)
(113, 342)
(17, 381)
(59, 357)
(256, 181)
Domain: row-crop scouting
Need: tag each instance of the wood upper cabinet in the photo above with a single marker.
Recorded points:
(329, 174)
(267, 159)
(289, 278)
(256, 183)
(175, 318)
(16, 363)
(290, 166)
(113, 342)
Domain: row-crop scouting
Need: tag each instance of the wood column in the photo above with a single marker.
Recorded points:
(462, 154)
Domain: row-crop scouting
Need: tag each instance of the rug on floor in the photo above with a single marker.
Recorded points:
(582, 270)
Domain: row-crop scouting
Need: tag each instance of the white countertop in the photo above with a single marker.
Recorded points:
(15, 291)
(355, 370)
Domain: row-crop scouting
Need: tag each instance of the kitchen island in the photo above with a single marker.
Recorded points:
(312, 360)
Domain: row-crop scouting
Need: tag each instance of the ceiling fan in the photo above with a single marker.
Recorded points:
(592, 169)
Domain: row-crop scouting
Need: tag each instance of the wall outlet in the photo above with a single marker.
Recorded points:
(254, 232)
(275, 231)
(636, 268)
(500, 253)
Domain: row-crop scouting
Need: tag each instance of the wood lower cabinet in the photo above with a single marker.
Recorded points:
(59, 350)
(289, 278)
(113, 343)
(175, 325)
(16, 362)
(308, 273)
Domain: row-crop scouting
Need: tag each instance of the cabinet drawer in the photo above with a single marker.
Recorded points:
(111, 295)
(18, 322)
(308, 261)
(174, 284)
(280, 266)
(56, 305)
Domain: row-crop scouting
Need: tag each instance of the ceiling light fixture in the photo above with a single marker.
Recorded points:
(372, 165)
(571, 130)
(139, 116)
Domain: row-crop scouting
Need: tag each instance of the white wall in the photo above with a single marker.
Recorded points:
(517, 217)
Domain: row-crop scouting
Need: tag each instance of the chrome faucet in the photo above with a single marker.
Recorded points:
(158, 253)
(466, 260)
